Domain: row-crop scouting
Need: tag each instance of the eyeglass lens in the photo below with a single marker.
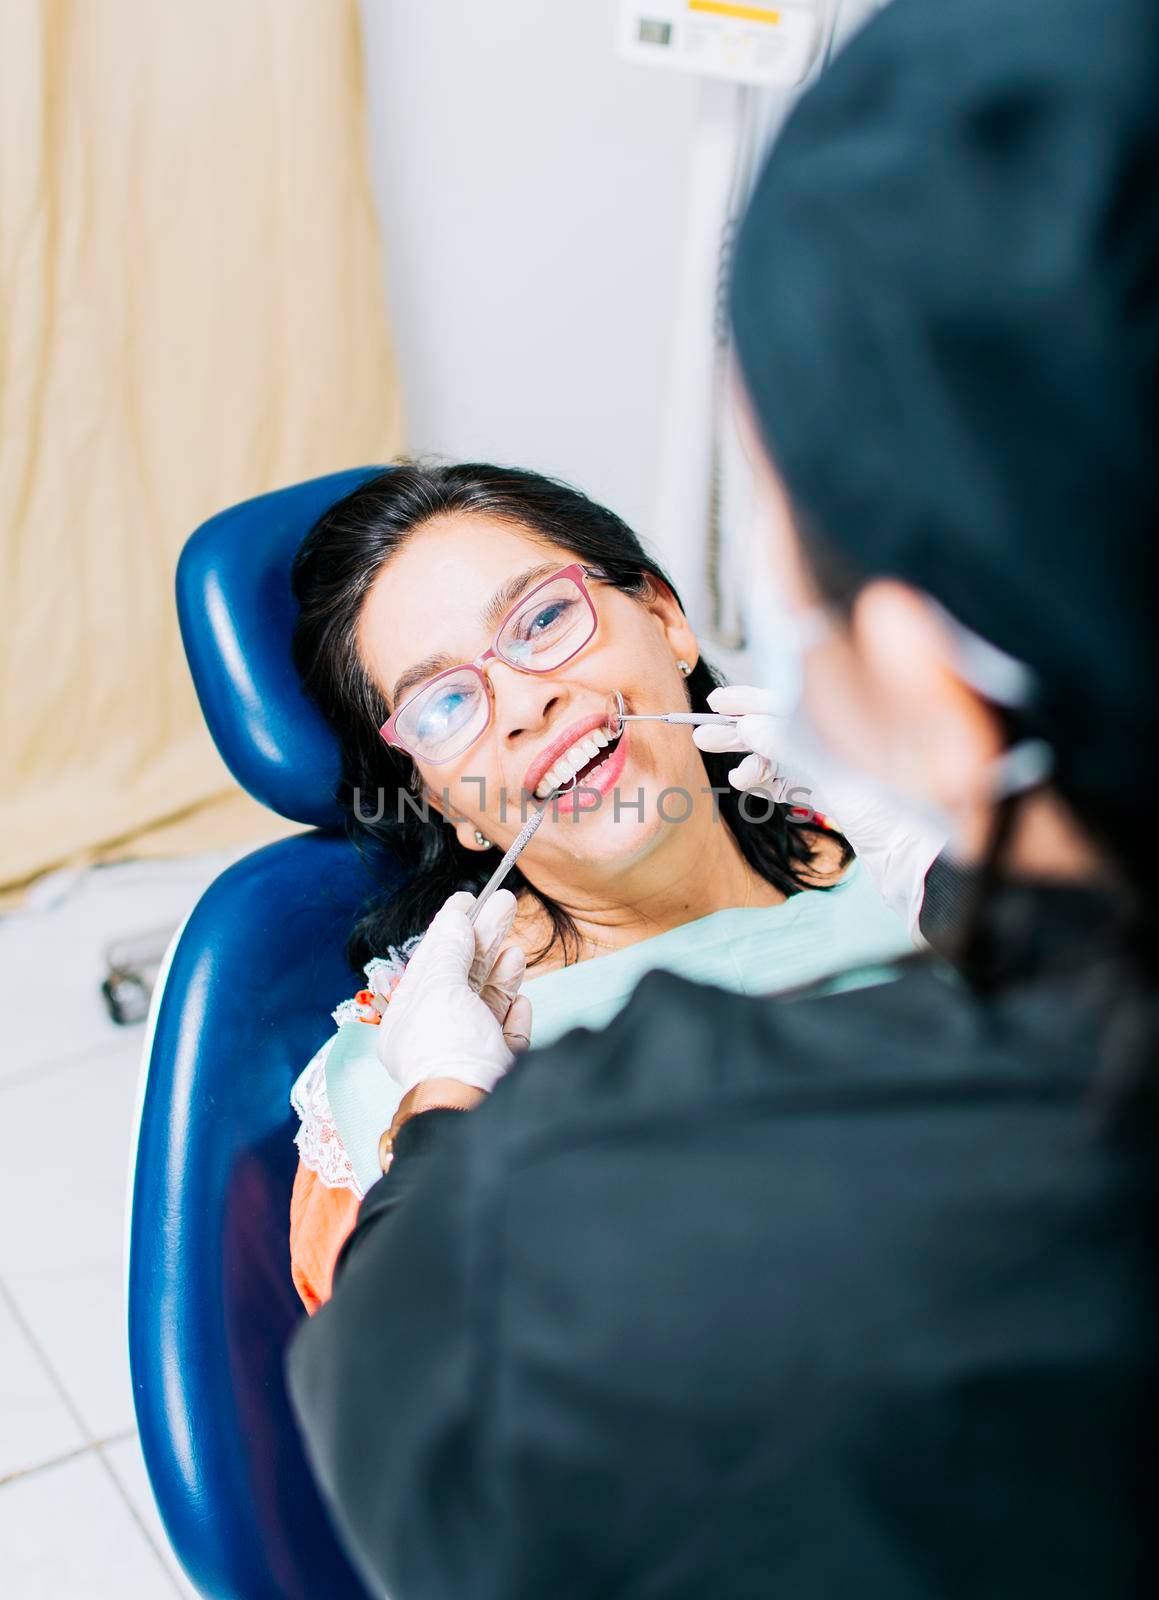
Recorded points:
(548, 628)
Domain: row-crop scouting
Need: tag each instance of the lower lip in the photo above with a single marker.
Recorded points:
(590, 793)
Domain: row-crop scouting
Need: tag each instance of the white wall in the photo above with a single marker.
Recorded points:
(531, 188)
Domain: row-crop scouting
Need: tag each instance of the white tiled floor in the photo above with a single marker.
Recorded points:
(76, 1513)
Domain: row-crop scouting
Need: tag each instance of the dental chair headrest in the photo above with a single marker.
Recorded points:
(237, 617)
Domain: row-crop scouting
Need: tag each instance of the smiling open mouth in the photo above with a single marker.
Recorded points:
(581, 762)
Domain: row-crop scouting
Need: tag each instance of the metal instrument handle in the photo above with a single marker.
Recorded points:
(689, 718)
(513, 852)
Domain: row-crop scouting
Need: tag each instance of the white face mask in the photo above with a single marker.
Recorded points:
(778, 640)
(778, 658)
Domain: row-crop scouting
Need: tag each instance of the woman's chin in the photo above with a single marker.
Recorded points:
(618, 822)
(593, 839)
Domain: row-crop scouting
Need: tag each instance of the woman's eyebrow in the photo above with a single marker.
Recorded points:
(426, 668)
(492, 614)
(508, 592)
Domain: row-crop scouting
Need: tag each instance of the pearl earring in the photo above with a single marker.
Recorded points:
(683, 668)
(482, 840)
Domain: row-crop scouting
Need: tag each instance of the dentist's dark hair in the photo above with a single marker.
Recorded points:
(997, 402)
(332, 575)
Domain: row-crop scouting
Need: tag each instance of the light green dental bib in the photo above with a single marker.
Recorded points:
(841, 937)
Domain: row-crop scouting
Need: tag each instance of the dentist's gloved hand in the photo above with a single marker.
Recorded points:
(896, 853)
(755, 736)
(457, 1011)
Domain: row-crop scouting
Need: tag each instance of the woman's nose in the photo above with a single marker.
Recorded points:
(523, 700)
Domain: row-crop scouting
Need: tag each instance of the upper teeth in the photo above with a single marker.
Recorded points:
(569, 763)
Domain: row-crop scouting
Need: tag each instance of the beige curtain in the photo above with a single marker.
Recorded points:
(191, 312)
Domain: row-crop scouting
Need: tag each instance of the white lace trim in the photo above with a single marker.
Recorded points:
(319, 1144)
(318, 1140)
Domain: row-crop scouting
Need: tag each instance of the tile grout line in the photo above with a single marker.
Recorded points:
(90, 1445)
(22, 1323)
(162, 1556)
(95, 1053)
(95, 1446)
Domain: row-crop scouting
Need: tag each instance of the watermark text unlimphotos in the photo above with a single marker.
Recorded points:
(674, 804)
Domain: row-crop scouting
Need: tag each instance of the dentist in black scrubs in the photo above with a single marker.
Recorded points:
(844, 1296)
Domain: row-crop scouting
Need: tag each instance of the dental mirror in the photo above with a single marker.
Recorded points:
(617, 716)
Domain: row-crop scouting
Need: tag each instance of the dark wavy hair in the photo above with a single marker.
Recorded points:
(332, 575)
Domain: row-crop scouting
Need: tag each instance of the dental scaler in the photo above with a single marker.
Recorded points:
(514, 851)
(617, 716)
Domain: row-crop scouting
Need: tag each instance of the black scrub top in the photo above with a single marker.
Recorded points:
(847, 1297)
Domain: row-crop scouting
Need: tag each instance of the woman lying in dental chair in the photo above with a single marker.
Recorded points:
(461, 628)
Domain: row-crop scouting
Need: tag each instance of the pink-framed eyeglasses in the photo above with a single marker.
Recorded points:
(545, 629)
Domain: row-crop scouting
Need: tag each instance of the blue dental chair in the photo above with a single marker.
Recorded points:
(245, 1002)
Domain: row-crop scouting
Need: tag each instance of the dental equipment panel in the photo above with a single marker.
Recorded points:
(754, 42)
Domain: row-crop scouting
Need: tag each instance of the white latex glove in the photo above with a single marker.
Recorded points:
(896, 853)
(457, 1011)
